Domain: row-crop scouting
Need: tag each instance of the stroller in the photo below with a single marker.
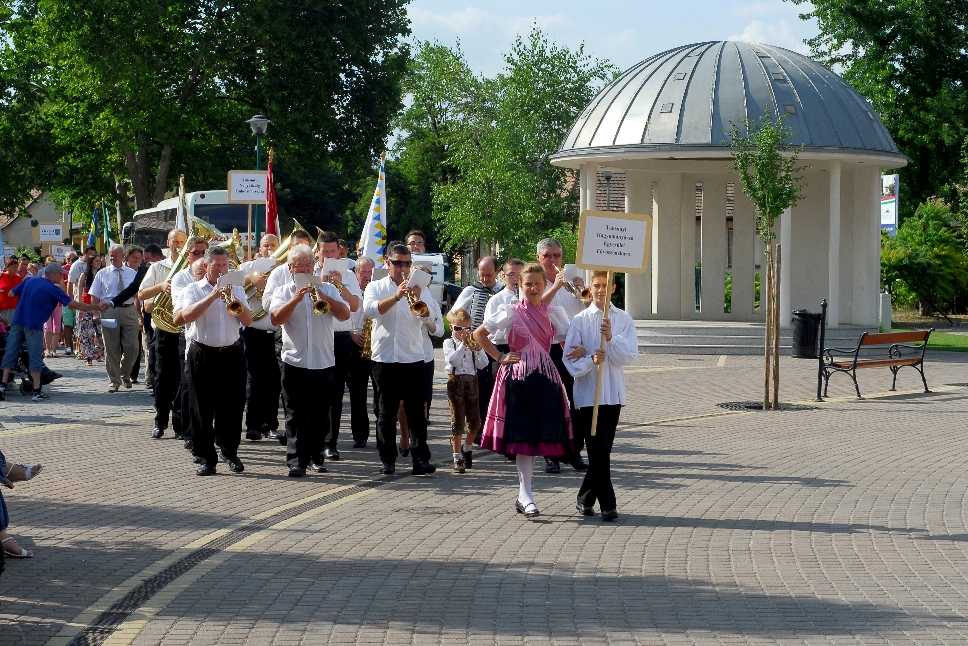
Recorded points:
(22, 370)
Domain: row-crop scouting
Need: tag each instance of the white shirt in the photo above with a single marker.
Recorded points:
(434, 316)
(263, 323)
(180, 281)
(352, 286)
(78, 268)
(567, 302)
(215, 327)
(307, 339)
(397, 336)
(157, 273)
(504, 297)
(466, 298)
(460, 360)
(502, 318)
(106, 285)
(585, 331)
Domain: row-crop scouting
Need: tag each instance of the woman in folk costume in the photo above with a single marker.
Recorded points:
(528, 414)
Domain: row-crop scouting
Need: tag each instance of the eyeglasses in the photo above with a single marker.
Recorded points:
(461, 328)
(513, 275)
(401, 263)
(196, 252)
(551, 255)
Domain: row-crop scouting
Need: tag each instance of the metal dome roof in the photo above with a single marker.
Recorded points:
(684, 99)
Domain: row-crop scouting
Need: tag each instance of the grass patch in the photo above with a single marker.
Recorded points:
(948, 342)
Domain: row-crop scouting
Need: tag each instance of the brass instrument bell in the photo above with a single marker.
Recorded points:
(232, 304)
(320, 307)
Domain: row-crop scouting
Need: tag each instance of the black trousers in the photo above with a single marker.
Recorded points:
(428, 386)
(597, 484)
(360, 375)
(262, 383)
(485, 386)
(150, 336)
(398, 382)
(136, 368)
(557, 353)
(216, 392)
(169, 352)
(182, 399)
(343, 349)
(307, 414)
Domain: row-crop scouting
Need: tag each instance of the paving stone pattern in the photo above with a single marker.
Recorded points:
(843, 524)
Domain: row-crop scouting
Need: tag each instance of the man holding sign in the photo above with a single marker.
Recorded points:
(583, 357)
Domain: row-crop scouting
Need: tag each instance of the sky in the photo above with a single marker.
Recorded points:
(621, 31)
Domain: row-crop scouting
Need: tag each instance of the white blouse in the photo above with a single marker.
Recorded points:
(503, 317)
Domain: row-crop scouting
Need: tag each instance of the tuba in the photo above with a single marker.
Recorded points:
(320, 307)
(161, 308)
(279, 255)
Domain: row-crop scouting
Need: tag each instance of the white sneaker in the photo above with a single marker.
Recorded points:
(40, 395)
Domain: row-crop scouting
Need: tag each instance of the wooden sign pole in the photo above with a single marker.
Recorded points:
(250, 231)
(601, 366)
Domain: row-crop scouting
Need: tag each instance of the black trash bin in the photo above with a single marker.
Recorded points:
(806, 334)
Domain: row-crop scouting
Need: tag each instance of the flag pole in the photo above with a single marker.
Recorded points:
(249, 236)
(601, 366)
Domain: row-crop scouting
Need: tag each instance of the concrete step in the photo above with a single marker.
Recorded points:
(678, 337)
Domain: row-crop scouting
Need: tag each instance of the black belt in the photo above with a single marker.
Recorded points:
(215, 348)
(335, 334)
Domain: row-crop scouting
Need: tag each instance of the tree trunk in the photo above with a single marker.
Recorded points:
(766, 300)
(161, 181)
(139, 182)
(776, 327)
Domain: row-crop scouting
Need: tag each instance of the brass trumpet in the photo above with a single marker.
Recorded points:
(471, 344)
(320, 307)
(335, 283)
(418, 307)
(233, 305)
(574, 290)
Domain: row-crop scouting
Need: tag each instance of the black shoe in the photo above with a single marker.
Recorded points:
(235, 464)
(198, 459)
(459, 466)
(468, 458)
(387, 469)
(189, 445)
(157, 433)
(279, 436)
(296, 472)
(318, 467)
(179, 436)
(253, 436)
(518, 506)
(583, 510)
(578, 463)
(531, 511)
(552, 466)
(331, 454)
(205, 470)
(611, 514)
(359, 445)
(423, 468)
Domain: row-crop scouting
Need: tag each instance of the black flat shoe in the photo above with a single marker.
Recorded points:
(317, 467)
(468, 458)
(331, 454)
(198, 459)
(296, 472)
(531, 511)
(278, 436)
(552, 466)
(518, 506)
(179, 436)
(206, 470)
(189, 445)
(578, 463)
(253, 436)
(611, 514)
(359, 445)
(423, 468)
(387, 469)
(583, 510)
(157, 433)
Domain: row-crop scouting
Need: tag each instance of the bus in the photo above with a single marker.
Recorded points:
(152, 225)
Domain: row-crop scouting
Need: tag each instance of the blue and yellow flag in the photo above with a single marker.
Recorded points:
(373, 239)
(92, 236)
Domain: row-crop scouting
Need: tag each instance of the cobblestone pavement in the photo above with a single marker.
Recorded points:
(840, 522)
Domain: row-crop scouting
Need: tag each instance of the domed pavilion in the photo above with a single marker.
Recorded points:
(664, 123)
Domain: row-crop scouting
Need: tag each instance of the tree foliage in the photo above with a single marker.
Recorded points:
(925, 263)
(909, 58)
(482, 145)
(122, 96)
(767, 168)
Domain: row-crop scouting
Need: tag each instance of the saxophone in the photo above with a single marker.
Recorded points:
(367, 351)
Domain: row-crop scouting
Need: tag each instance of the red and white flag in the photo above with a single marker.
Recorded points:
(272, 210)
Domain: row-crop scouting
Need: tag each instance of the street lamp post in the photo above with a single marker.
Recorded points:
(258, 123)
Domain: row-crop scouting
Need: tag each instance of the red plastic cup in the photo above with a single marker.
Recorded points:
(86, 298)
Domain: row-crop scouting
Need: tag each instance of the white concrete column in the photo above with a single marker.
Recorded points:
(744, 254)
(714, 246)
(638, 287)
(687, 248)
(589, 185)
(666, 244)
(874, 248)
(786, 263)
(833, 248)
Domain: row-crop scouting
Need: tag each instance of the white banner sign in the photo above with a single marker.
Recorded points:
(60, 251)
(612, 241)
(51, 233)
(889, 195)
(247, 186)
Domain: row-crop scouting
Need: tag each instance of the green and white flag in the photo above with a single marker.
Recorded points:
(108, 237)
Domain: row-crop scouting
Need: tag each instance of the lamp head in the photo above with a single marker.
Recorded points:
(258, 123)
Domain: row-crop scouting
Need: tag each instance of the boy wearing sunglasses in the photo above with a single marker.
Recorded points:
(463, 362)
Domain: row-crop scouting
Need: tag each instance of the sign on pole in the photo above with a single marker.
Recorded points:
(889, 203)
(51, 233)
(247, 186)
(611, 241)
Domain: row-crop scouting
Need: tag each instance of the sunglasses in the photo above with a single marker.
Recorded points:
(461, 328)
(401, 263)
(196, 252)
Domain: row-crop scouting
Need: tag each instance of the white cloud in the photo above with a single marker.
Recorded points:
(779, 33)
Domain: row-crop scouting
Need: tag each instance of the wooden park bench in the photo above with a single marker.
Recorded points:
(898, 346)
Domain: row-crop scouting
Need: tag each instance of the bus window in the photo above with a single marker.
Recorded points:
(224, 217)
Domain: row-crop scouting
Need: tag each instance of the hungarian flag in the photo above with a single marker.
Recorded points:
(272, 210)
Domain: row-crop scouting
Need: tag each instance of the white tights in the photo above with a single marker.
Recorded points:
(525, 465)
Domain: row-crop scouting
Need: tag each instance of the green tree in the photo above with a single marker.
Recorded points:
(483, 144)
(130, 94)
(925, 263)
(909, 58)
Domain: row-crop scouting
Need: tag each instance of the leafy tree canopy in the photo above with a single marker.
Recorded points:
(909, 58)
